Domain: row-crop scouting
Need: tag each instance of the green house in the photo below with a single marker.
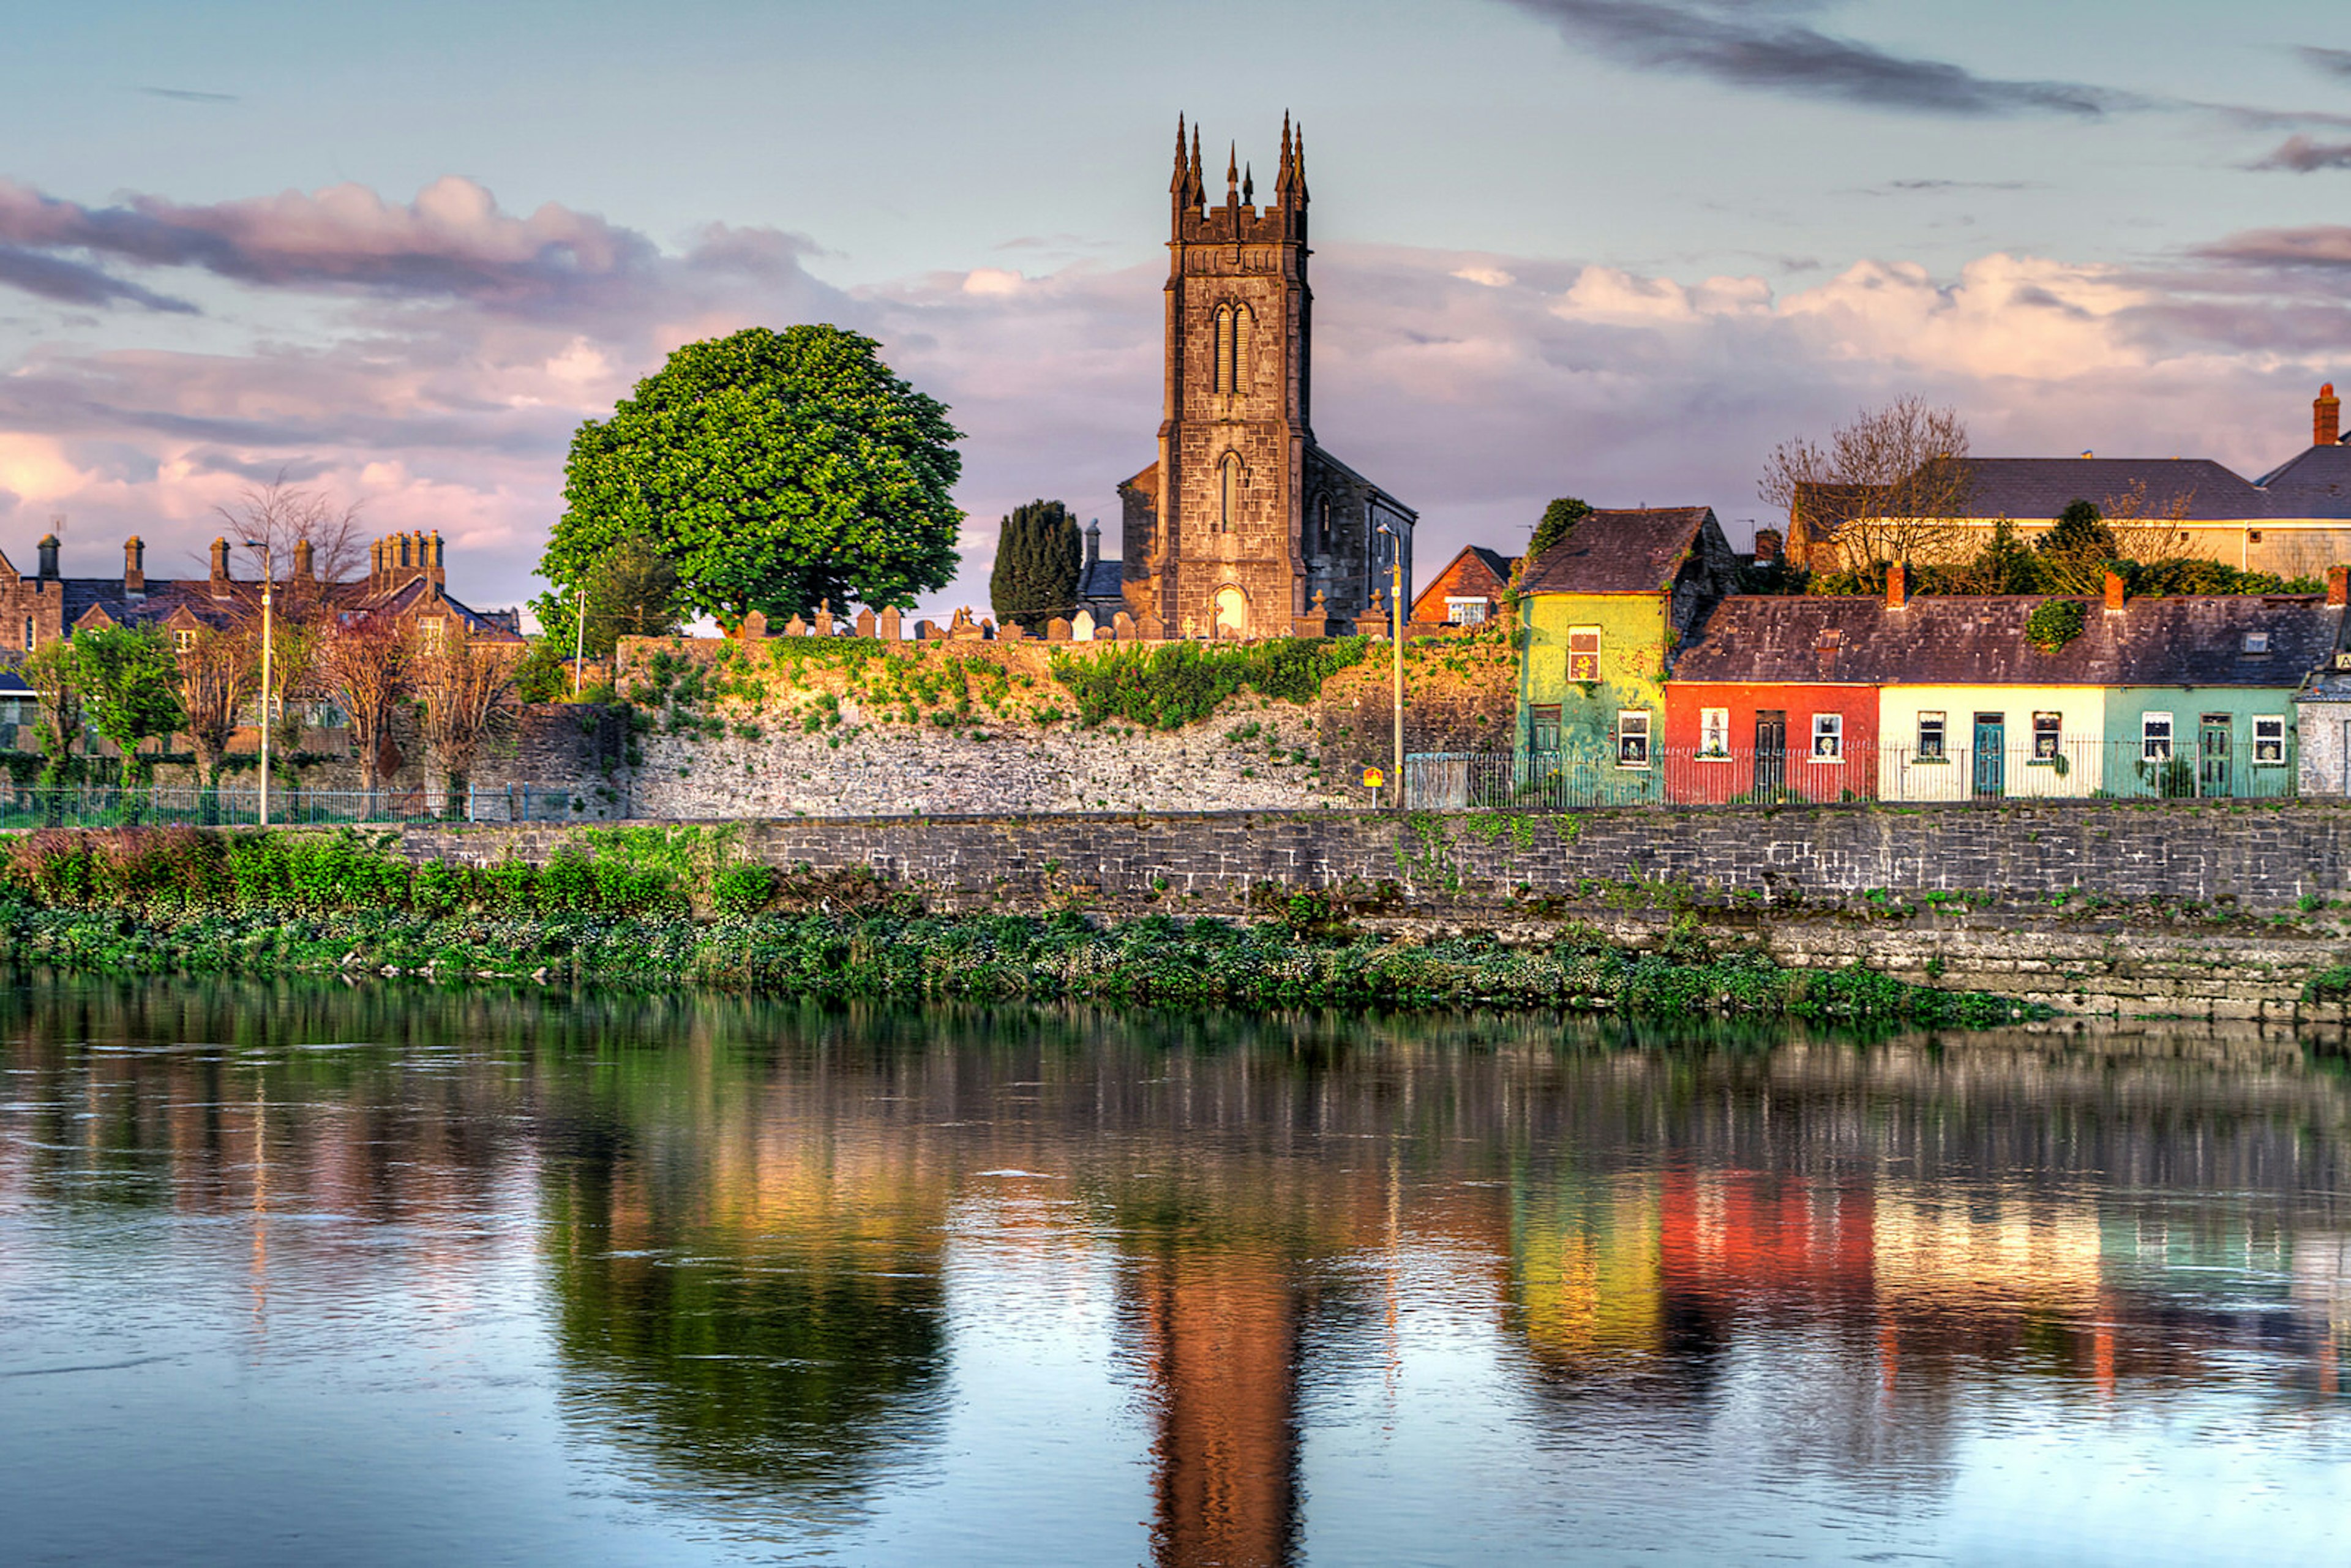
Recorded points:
(1601, 613)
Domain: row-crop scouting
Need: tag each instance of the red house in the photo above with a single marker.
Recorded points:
(1769, 700)
(1468, 592)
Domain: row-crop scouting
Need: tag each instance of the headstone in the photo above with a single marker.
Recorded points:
(865, 620)
(1011, 631)
(987, 630)
(754, 627)
(924, 631)
(1150, 628)
(1122, 626)
(824, 617)
(1082, 629)
(796, 627)
(886, 626)
(1057, 630)
(963, 628)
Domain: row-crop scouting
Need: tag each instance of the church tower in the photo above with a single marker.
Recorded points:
(1242, 521)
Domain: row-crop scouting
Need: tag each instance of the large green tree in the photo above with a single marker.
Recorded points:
(1038, 557)
(772, 470)
(130, 687)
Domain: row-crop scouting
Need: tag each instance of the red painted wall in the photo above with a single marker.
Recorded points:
(1718, 781)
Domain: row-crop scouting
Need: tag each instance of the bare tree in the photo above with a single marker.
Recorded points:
(469, 703)
(1886, 486)
(278, 524)
(2144, 532)
(219, 672)
(366, 663)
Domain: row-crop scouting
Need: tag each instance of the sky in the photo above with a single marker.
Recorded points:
(1619, 249)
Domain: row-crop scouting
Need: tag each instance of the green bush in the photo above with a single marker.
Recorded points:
(1176, 683)
(742, 890)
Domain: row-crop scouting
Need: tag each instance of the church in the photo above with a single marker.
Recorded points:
(1244, 527)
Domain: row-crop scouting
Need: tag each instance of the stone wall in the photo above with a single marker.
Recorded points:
(2153, 909)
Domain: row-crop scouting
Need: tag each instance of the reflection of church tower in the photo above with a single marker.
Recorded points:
(1222, 1343)
(1243, 519)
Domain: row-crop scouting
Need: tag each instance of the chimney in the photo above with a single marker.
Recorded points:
(1093, 541)
(435, 561)
(1767, 546)
(2114, 594)
(2325, 417)
(48, 549)
(1897, 587)
(134, 567)
(220, 562)
(2339, 585)
(305, 561)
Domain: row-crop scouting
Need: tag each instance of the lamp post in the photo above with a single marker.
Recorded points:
(1395, 641)
(268, 576)
(579, 647)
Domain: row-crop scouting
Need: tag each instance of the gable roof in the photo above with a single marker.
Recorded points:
(2315, 483)
(1619, 551)
(1971, 639)
(2032, 488)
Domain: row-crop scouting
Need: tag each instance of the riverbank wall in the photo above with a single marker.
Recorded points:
(2157, 909)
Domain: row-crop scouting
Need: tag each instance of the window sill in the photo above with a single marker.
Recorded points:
(1826, 761)
(1711, 756)
(2045, 762)
(1930, 762)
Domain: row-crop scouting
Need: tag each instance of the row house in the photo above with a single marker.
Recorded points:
(1946, 698)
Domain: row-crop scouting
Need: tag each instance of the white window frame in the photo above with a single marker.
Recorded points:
(1633, 735)
(1828, 738)
(1590, 672)
(1713, 735)
(1466, 611)
(2269, 744)
(1941, 719)
(2152, 747)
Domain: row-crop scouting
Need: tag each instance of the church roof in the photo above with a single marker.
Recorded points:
(1102, 579)
(1146, 483)
(1633, 551)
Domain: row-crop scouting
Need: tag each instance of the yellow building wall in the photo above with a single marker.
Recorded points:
(1901, 776)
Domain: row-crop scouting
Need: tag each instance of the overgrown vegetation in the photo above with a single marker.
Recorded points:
(1176, 683)
(619, 905)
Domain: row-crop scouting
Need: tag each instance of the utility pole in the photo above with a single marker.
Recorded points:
(1397, 613)
(268, 575)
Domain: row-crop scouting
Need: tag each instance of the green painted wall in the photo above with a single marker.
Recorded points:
(1631, 675)
(2127, 707)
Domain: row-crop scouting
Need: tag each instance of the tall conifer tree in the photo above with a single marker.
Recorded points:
(1038, 557)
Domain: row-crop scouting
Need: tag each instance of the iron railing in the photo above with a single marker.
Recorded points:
(95, 806)
(2194, 768)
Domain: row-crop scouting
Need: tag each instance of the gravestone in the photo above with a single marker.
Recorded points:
(886, 626)
(924, 631)
(824, 617)
(754, 626)
(864, 621)
(1122, 626)
(1057, 630)
(1011, 631)
(796, 627)
(1082, 629)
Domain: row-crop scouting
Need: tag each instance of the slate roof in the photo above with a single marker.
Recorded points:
(2317, 484)
(2033, 487)
(1971, 639)
(1102, 579)
(166, 596)
(1619, 552)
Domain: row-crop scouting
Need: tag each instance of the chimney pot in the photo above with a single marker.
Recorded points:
(2325, 417)
(48, 549)
(220, 560)
(2114, 594)
(135, 565)
(1898, 586)
(2339, 585)
(1767, 546)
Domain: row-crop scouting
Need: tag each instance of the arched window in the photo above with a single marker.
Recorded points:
(1224, 382)
(1229, 492)
(1232, 613)
(1242, 320)
(1232, 322)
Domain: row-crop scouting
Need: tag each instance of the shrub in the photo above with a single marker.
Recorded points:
(742, 890)
(2053, 623)
(1176, 683)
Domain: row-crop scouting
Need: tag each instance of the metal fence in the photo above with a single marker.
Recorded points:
(110, 807)
(2205, 768)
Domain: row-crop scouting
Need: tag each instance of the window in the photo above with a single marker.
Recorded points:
(1632, 738)
(28, 633)
(1543, 727)
(2048, 734)
(2155, 736)
(1584, 652)
(429, 633)
(1714, 733)
(2269, 737)
(2257, 641)
(1232, 348)
(183, 638)
(1931, 736)
(1466, 611)
(1229, 492)
(1828, 738)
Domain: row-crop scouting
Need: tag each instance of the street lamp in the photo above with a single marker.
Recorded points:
(1395, 639)
(268, 575)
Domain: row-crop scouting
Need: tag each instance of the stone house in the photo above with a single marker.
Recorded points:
(1468, 592)
(1605, 611)
(2294, 520)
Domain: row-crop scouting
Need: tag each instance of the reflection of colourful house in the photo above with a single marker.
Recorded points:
(1604, 610)
(1584, 1268)
(2189, 696)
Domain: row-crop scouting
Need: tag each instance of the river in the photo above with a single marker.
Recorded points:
(303, 1273)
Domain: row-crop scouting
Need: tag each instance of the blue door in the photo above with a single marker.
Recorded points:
(1991, 754)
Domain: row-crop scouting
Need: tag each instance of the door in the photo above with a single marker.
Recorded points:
(1990, 753)
(2212, 755)
(1770, 753)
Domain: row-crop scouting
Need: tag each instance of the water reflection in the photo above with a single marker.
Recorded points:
(1018, 1285)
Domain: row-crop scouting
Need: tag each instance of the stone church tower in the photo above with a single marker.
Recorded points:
(1244, 527)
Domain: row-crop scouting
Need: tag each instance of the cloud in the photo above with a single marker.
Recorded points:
(2304, 156)
(1909, 186)
(1735, 44)
(451, 241)
(2332, 62)
(189, 95)
(2322, 246)
(76, 283)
